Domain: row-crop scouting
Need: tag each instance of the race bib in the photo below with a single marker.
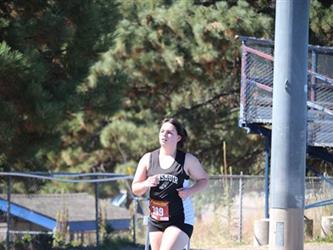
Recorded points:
(159, 210)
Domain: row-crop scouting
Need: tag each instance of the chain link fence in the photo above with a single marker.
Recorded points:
(227, 209)
(67, 209)
(58, 210)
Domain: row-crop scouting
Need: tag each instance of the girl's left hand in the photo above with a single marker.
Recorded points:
(184, 193)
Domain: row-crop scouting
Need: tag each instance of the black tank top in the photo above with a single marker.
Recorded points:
(171, 179)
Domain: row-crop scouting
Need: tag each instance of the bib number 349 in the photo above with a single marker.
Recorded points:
(159, 210)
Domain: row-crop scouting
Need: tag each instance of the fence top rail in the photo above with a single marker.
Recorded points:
(244, 176)
(71, 177)
(234, 176)
(270, 43)
(107, 177)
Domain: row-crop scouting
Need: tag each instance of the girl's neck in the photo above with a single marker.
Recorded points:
(167, 151)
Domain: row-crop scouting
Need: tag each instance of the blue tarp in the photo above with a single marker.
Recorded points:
(27, 214)
(50, 223)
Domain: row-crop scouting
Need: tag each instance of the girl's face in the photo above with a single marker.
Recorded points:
(168, 135)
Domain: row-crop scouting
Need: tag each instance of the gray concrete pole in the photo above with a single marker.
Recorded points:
(289, 125)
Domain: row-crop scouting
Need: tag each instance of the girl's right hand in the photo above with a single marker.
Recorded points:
(153, 181)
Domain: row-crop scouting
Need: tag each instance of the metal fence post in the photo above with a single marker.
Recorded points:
(97, 212)
(8, 212)
(146, 221)
(267, 168)
(240, 232)
(135, 207)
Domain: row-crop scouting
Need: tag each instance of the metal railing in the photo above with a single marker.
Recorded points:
(257, 89)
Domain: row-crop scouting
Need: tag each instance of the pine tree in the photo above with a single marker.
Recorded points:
(84, 84)
(321, 23)
(182, 60)
(47, 50)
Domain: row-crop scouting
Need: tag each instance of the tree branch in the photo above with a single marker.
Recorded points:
(209, 101)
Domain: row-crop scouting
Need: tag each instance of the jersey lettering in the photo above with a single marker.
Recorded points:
(169, 178)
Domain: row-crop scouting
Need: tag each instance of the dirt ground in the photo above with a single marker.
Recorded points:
(307, 246)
